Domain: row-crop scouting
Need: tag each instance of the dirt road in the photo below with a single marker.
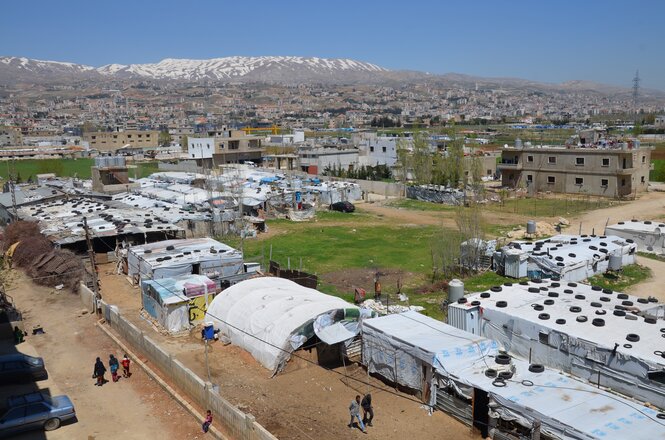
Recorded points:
(654, 285)
(648, 206)
(134, 408)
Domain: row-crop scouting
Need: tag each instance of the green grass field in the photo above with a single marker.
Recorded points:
(25, 169)
(658, 172)
(629, 276)
(417, 205)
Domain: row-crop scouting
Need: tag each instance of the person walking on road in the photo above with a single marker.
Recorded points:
(366, 404)
(207, 422)
(125, 366)
(113, 366)
(98, 372)
(354, 410)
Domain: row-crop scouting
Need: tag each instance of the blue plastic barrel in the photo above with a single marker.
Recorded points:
(208, 331)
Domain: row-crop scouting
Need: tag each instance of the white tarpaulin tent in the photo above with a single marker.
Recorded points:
(272, 317)
(398, 346)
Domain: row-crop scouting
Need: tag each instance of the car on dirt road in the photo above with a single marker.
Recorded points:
(35, 411)
(19, 367)
(343, 207)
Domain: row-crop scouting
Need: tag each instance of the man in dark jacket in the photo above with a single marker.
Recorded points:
(367, 409)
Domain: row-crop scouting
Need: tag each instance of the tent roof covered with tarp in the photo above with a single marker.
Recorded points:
(272, 317)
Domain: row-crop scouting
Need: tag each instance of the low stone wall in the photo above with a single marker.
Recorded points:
(239, 425)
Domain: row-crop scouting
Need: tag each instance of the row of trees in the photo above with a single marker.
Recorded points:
(378, 172)
(422, 165)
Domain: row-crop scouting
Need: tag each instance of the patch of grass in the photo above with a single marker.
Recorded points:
(652, 256)
(326, 249)
(658, 172)
(66, 168)
(485, 280)
(552, 207)
(417, 205)
(629, 276)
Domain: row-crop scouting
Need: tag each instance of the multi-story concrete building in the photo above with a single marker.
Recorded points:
(113, 140)
(234, 146)
(613, 171)
(10, 137)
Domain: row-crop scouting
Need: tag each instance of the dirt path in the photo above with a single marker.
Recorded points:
(409, 217)
(135, 408)
(648, 206)
(654, 285)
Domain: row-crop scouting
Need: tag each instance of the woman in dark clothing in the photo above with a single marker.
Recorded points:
(99, 371)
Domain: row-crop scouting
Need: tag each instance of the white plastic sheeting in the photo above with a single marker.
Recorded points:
(529, 324)
(569, 257)
(648, 236)
(267, 316)
(398, 346)
(567, 408)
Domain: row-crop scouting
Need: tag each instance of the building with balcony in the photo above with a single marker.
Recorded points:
(612, 170)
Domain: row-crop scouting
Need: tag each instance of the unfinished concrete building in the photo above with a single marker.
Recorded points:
(111, 175)
(610, 170)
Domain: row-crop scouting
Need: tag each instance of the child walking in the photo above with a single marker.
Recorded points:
(125, 366)
(113, 366)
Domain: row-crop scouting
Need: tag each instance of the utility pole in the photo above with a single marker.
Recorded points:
(93, 263)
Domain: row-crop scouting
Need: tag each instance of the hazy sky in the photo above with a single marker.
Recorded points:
(553, 41)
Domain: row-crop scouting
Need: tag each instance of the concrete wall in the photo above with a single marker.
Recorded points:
(239, 425)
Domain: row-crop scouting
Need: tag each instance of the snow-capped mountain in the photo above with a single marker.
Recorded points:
(20, 69)
(233, 68)
(262, 69)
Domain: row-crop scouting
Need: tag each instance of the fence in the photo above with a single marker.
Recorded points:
(236, 423)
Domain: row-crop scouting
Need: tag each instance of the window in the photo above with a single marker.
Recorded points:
(551, 159)
(644, 159)
(604, 183)
(383, 149)
(371, 149)
(529, 178)
(643, 180)
(14, 414)
(551, 179)
(544, 338)
(623, 182)
(579, 181)
(579, 161)
(606, 161)
(529, 158)
(37, 408)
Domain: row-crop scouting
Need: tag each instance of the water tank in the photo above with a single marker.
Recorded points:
(531, 227)
(518, 144)
(455, 290)
(614, 263)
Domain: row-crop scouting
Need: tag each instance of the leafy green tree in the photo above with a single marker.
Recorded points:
(164, 138)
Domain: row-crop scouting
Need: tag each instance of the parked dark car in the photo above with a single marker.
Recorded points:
(343, 207)
(19, 367)
(35, 411)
